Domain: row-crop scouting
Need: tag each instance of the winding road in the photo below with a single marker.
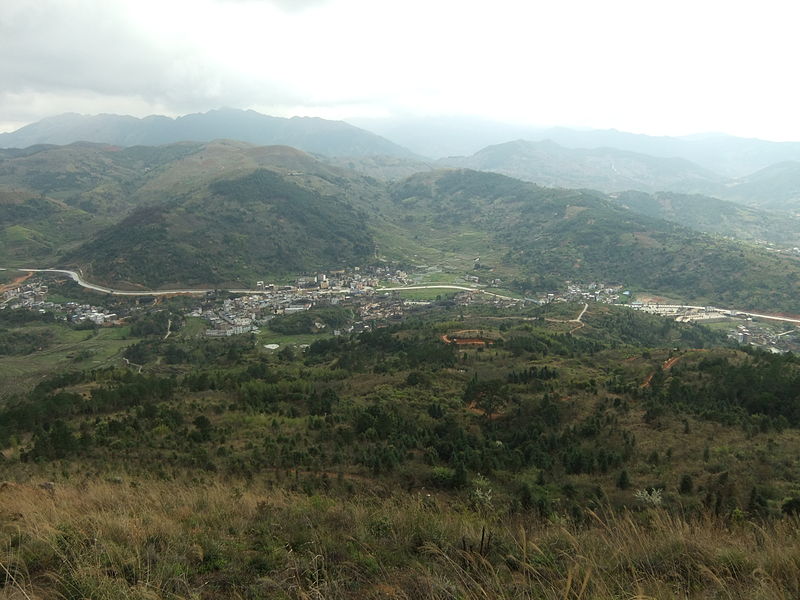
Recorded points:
(77, 278)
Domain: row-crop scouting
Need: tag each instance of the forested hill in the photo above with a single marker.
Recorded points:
(722, 217)
(56, 198)
(232, 232)
(554, 235)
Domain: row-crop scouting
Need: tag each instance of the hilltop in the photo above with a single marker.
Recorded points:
(230, 232)
(632, 453)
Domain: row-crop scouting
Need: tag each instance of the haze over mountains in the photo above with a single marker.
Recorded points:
(440, 137)
(334, 138)
(606, 169)
(755, 172)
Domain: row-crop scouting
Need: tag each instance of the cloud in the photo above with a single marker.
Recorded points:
(662, 67)
(284, 5)
(76, 52)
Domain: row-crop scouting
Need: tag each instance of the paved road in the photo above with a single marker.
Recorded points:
(444, 287)
(733, 310)
(99, 288)
(77, 278)
(106, 290)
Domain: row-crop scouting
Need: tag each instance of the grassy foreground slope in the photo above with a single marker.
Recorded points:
(601, 463)
(223, 540)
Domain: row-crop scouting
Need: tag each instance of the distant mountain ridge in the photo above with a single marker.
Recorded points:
(776, 187)
(607, 169)
(310, 134)
(441, 137)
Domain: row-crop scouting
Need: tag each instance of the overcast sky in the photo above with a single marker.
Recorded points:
(652, 66)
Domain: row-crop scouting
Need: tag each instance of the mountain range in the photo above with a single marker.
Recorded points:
(441, 137)
(228, 213)
(757, 173)
(311, 134)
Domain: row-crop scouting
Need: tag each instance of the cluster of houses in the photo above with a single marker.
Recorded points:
(25, 295)
(352, 287)
(33, 296)
(767, 337)
(592, 292)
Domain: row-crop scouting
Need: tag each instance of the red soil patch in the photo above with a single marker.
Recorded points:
(15, 283)
(466, 341)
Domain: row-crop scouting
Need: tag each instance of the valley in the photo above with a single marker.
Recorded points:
(231, 370)
(349, 300)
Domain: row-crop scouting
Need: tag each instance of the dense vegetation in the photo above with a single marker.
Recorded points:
(555, 235)
(309, 321)
(259, 221)
(711, 215)
(590, 459)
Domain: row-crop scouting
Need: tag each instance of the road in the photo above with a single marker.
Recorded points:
(583, 312)
(76, 277)
(578, 320)
(732, 310)
(444, 287)
(106, 290)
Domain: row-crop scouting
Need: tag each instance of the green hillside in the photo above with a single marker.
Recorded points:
(721, 217)
(34, 229)
(232, 232)
(230, 213)
(553, 235)
(775, 187)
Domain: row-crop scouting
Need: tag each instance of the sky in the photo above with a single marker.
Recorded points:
(663, 67)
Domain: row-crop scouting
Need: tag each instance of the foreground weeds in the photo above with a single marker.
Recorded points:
(168, 540)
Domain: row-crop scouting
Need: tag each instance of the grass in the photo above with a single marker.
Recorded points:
(266, 336)
(8, 275)
(193, 326)
(427, 294)
(72, 349)
(435, 277)
(126, 538)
